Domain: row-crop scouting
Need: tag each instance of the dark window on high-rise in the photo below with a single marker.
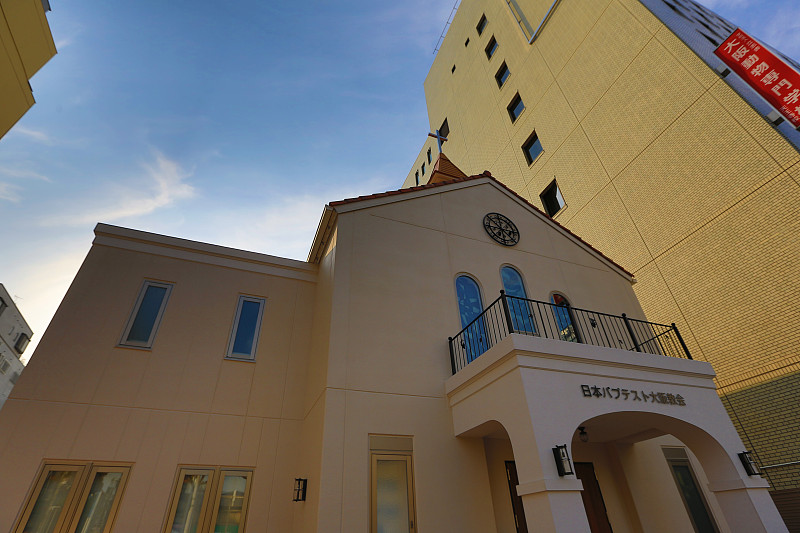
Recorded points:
(491, 48)
(515, 107)
(423, 169)
(466, 42)
(481, 24)
(551, 198)
(416, 177)
(532, 148)
(452, 70)
(444, 129)
(22, 343)
(502, 75)
(429, 155)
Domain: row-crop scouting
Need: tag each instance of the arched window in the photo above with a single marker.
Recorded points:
(470, 307)
(469, 299)
(518, 304)
(563, 315)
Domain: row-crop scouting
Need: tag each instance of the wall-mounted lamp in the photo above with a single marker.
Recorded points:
(563, 464)
(749, 464)
(582, 434)
(300, 485)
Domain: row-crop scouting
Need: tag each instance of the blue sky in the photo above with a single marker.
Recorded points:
(228, 124)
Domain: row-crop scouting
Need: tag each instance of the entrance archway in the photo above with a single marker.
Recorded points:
(653, 472)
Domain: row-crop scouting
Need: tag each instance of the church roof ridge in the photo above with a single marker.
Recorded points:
(487, 175)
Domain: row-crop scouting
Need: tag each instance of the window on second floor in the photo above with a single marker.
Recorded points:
(470, 307)
(563, 315)
(146, 316)
(519, 307)
(246, 326)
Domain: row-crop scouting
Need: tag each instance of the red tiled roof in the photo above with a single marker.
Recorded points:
(444, 170)
(485, 174)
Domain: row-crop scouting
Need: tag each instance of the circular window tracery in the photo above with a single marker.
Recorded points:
(501, 229)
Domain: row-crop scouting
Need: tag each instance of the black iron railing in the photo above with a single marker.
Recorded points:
(510, 314)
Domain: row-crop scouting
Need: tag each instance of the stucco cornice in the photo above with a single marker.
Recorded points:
(200, 252)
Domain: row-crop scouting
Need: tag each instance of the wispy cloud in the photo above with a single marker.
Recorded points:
(783, 31)
(162, 184)
(8, 191)
(283, 227)
(36, 135)
(22, 174)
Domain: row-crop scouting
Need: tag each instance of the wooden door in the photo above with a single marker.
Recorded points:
(593, 499)
(516, 500)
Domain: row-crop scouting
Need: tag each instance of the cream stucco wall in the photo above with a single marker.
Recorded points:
(182, 402)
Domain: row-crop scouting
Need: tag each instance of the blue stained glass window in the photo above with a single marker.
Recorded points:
(246, 327)
(147, 315)
(470, 307)
(520, 309)
(563, 317)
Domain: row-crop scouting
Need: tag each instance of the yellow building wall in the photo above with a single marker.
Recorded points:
(662, 166)
(25, 46)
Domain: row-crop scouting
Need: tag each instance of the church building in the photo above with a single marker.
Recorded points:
(448, 359)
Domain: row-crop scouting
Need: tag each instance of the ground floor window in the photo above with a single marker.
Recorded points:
(691, 494)
(392, 485)
(74, 497)
(207, 499)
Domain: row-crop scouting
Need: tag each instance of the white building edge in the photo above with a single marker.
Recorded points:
(15, 334)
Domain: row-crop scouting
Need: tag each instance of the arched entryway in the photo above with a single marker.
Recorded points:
(652, 472)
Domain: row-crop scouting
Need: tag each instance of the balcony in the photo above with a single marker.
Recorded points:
(510, 314)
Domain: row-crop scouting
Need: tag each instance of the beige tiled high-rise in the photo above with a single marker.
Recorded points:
(670, 169)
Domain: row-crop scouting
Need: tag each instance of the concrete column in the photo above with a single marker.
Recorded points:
(554, 506)
(748, 509)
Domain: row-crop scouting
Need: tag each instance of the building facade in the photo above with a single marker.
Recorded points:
(14, 337)
(27, 45)
(610, 115)
(386, 384)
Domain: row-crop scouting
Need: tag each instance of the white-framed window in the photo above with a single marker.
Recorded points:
(146, 316)
(22, 343)
(246, 326)
(74, 497)
(208, 498)
(392, 495)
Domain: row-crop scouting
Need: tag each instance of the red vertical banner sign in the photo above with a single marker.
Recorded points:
(768, 75)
